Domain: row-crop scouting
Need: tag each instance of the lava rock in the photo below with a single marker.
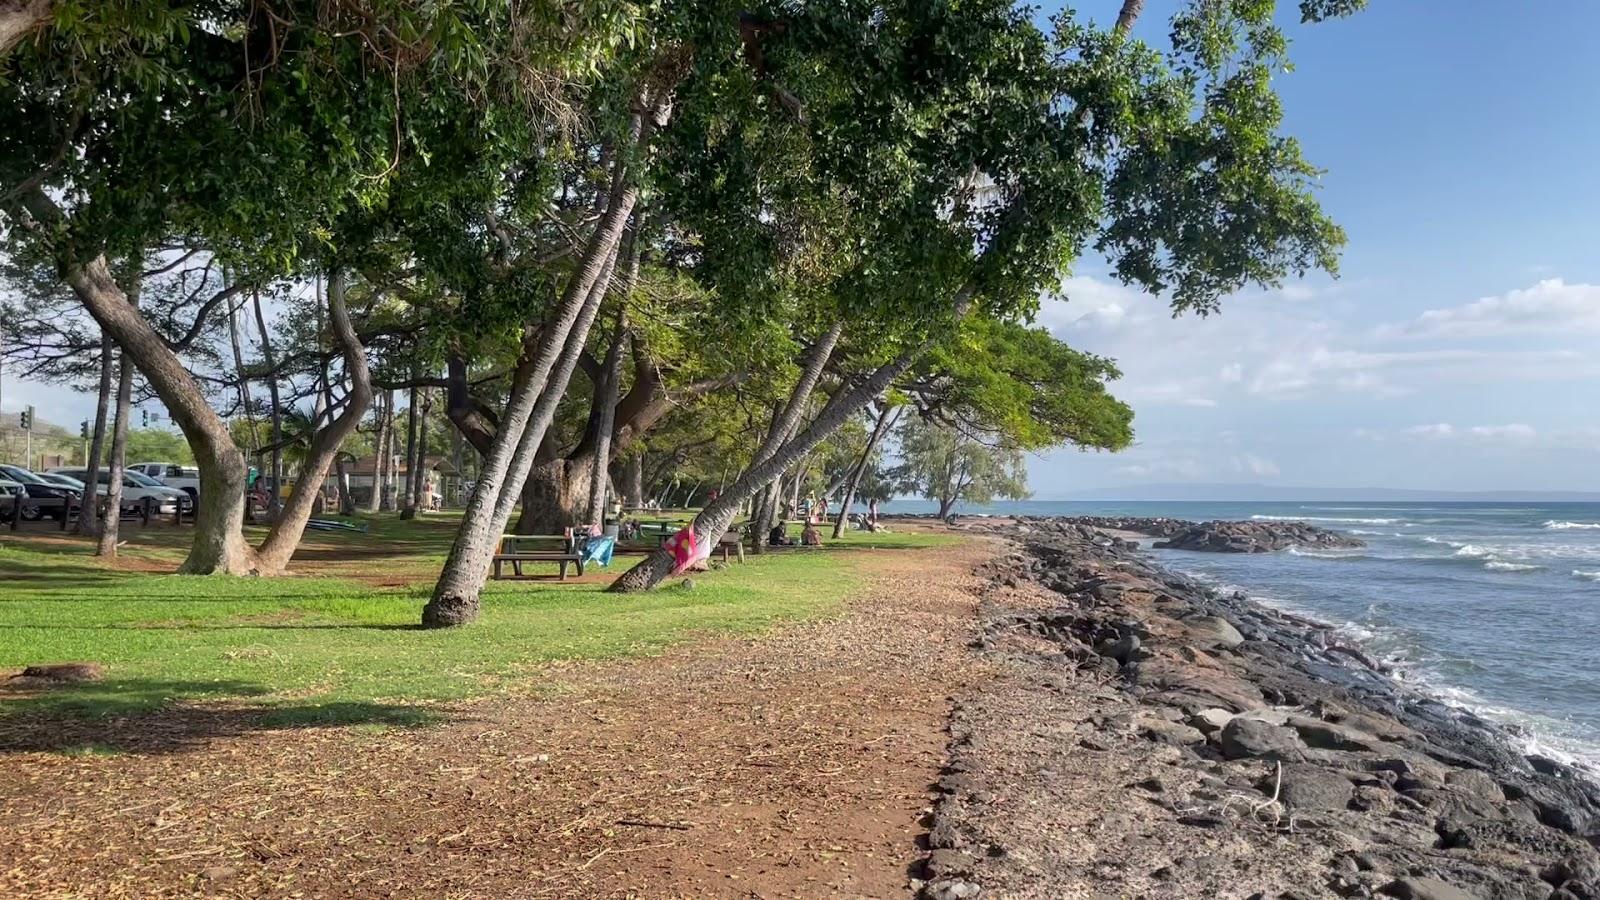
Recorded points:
(1243, 738)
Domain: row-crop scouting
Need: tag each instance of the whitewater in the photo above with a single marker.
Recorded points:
(1491, 606)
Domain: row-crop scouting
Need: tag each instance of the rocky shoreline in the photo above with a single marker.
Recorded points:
(1149, 736)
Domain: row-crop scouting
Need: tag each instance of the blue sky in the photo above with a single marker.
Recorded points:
(1458, 349)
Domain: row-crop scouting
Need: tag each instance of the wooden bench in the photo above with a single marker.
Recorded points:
(559, 549)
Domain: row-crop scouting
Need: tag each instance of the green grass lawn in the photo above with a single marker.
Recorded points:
(317, 649)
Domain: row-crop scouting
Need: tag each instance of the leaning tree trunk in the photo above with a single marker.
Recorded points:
(88, 522)
(878, 431)
(111, 525)
(522, 427)
(713, 521)
(219, 545)
(609, 387)
(275, 499)
(409, 510)
(285, 535)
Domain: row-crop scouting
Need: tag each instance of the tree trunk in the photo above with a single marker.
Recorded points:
(455, 597)
(347, 503)
(633, 480)
(111, 524)
(608, 390)
(274, 499)
(388, 504)
(20, 18)
(375, 501)
(854, 483)
(945, 505)
(409, 510)
(421, 482)
(246, 402)
(784, 424)
(555, 496)
(715, 518)
(219, 545)
(88, 522)
(285, 535)
(527, 417)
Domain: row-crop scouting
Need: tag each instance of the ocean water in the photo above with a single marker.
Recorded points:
(1492, 606)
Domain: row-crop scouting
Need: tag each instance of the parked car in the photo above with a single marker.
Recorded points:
(40, 488)
(135, 488)
(58, 478)
(184, 478)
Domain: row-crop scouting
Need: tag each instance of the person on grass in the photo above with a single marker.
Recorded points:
(810, 536)
(779, 536)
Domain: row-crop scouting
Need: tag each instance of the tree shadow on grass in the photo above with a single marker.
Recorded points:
(152, 716)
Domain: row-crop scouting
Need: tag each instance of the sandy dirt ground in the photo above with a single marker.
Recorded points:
(794, 764)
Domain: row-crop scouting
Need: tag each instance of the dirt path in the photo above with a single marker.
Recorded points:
(797, 764)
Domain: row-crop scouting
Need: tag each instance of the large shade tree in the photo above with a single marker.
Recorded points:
(263, 131)
(988, 156)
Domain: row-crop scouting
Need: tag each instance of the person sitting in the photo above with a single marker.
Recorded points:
(779, 536)
(811, 537)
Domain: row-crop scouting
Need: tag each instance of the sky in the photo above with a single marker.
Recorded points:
(1457, 349)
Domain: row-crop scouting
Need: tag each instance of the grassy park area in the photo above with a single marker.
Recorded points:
(337, 643)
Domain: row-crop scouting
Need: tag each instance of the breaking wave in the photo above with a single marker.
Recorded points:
(1553, 525)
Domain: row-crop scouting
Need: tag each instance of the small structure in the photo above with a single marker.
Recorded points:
(441, 483)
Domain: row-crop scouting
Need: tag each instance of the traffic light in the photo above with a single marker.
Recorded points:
(144, 418)
(83, 429)
(27, 419)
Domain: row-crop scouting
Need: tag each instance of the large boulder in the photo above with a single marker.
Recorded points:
(1308, 788)
(1246, 738)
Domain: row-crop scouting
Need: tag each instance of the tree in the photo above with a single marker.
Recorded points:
(941, 463)
(274, 137)
(1032, 150)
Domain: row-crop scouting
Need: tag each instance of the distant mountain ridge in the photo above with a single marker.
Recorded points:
(1271, 493)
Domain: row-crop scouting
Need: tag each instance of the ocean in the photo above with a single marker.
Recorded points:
(1491, 606)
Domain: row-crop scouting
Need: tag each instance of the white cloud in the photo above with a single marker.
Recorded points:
(1515, 432)
(1232, 373)
(1550, 306)
(1256, 465)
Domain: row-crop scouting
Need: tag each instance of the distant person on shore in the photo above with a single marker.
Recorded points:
(779, 535)
(810, 536)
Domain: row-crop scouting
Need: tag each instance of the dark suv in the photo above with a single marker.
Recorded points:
(40, 489)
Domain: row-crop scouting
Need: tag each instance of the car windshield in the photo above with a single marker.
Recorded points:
(141, 479)
(21, 475)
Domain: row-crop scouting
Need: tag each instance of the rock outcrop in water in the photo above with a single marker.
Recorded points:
(1145, 735)
(1256, 537)
(1219, 536)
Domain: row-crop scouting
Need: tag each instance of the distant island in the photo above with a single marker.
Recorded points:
(1244, 492)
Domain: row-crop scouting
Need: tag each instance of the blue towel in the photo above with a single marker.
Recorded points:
(597, 550)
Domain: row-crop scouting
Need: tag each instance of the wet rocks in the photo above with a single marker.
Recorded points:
(1256, 537)
(1147, 719)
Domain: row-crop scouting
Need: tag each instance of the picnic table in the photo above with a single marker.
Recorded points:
(517, 549)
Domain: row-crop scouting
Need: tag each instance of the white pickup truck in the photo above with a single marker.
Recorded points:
(184, 478)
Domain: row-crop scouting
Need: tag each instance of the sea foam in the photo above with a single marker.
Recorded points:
(1553, 525)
